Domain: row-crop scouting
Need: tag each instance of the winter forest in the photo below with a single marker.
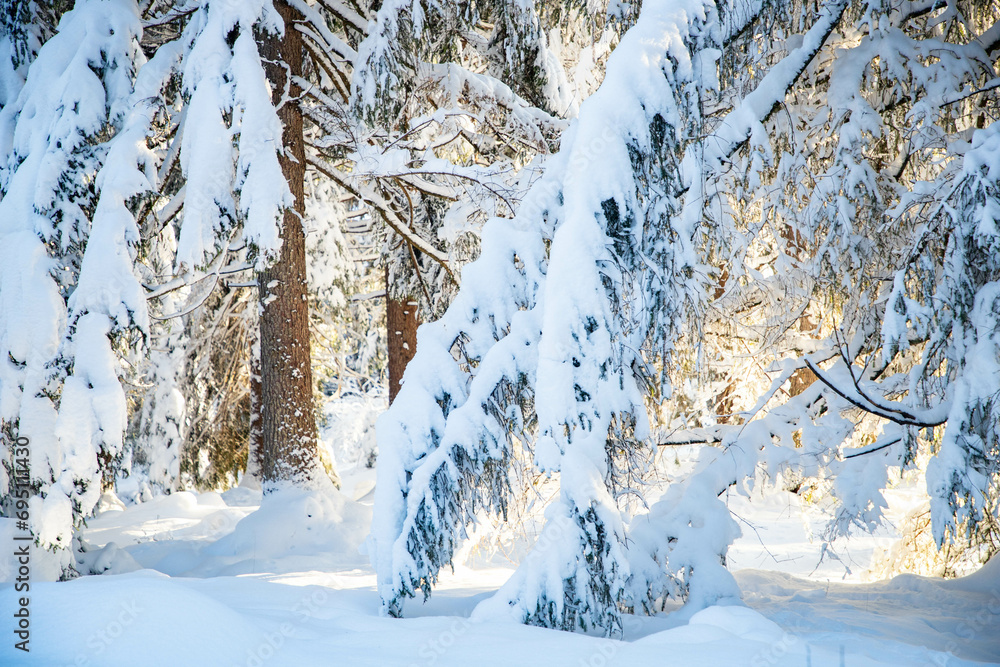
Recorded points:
(504, 332)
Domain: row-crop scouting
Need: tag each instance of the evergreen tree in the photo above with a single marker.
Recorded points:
(166, 190)
(68, 290)
(89, 142)
(962, 478)
(715, 229)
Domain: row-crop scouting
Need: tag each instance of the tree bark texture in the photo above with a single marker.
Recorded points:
(288, 449)
(402, 319)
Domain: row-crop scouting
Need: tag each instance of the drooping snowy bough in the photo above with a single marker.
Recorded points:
(82, 159)
(681, 206)
(542, 344)
(61, 307)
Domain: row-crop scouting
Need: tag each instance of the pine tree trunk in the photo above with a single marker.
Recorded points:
(402, 319)
(288, 450)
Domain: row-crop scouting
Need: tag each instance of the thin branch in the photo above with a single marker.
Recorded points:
(315, 20)
(192, 307)
(854, 455)
(377, 294)
(390, 216)
(413, 254)
(681, 443)
(322, 60)
(167, 18)
(861, 392)
(870, 407)
(990, 85)
(347, 15)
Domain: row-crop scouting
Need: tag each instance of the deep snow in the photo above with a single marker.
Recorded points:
(214, 579)
(207, 579)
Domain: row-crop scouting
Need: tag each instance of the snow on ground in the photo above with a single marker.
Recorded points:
(783, 533)
(216, 583)
(148, 618)
(213, 579)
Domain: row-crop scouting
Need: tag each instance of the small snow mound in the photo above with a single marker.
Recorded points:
(121, 620)
(293, 522)
(107, 560)
(912, 582)
(109, 502)
(986, 578)
(811, 595)
(740, 621)
(241, 496)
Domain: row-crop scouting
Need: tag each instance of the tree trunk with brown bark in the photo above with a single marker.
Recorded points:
(288, 447)
(402, 319)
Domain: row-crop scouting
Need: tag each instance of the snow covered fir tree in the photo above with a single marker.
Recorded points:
(413, 287)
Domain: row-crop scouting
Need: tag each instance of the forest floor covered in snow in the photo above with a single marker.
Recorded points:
(214, 579)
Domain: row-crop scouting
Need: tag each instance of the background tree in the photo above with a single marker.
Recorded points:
(168, 191)
(81, 141)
